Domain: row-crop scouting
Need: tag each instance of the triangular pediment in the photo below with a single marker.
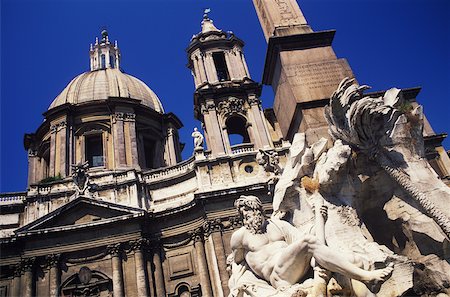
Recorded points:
(81, 212)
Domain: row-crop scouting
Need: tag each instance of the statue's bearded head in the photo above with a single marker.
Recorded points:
(252, 213)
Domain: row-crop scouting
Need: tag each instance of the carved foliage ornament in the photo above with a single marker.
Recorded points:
(232, 105)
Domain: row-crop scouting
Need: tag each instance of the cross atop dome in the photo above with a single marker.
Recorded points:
(103, 54)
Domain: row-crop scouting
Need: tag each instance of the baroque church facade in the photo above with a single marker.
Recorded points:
(112, 210)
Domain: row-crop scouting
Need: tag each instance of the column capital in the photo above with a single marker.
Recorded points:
(32, 152)
(17, 270)
(197, 235)
(253, 100)
(114, 249)
(57, 126)
(27, 264)
(212, 226)
(52, 260)
(139, 244)
(124, 116)
(154, 244)
(208, 106)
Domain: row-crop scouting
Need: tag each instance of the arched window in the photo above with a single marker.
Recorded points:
(183, 289)
(237, 130)
(87, 283)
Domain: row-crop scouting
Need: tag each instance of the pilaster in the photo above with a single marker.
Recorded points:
(216, 144)
(260, 127)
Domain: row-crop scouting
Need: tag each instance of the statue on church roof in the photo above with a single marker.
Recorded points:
(198, 139)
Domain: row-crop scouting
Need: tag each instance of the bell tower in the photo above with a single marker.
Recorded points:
(226, 99)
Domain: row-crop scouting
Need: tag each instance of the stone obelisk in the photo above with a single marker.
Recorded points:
(301, 67)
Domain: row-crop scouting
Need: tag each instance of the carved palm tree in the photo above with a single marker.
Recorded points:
(366, 124)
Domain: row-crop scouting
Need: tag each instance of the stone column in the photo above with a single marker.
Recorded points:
(115, 251)
(140, 264)
(55, 274)
(158, 273)
(27, 277)
(216, 234)
(15, 286)
(202, 262)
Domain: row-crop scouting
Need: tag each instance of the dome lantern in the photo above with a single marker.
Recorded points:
(104, 54)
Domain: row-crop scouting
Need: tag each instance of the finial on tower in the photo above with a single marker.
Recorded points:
(207, 23)
(105, 38)
(205, 13)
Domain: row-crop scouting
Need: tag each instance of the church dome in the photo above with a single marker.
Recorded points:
(100, 84)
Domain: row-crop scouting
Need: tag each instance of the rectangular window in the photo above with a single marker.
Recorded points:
(149, 151)
(94, 150)
(103, 61)
(221, 66)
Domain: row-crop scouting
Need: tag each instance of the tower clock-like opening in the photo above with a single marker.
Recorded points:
(94, 150)
(221, 66)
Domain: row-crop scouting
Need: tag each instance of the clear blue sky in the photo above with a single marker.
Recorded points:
(44, 44)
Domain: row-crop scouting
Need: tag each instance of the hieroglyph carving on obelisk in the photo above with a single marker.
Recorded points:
(278, 14)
